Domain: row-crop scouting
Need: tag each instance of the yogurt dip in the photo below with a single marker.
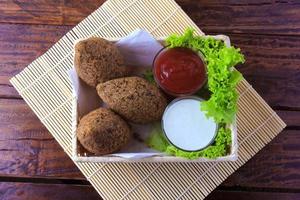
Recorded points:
(186, 126)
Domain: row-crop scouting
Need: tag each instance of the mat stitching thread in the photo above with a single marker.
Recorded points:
(259, 127)
(69, 147)
(96, 171)
(248, 136)
(245, 91)
(166, 19)
(142, 181)
(57, 108)
(70, 53)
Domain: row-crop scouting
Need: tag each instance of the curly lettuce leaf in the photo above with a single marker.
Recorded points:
(148, 75)
(219, 148)
(157, 139)
(222, 77)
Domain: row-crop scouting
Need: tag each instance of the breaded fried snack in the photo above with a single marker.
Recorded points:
(102, 132)
(134, 98)
(98, 60)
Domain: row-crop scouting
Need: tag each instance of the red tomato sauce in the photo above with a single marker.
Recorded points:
(179, 71)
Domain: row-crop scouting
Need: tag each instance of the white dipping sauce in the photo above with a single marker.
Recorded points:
(186, 126)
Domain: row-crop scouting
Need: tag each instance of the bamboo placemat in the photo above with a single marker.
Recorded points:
(45, 86)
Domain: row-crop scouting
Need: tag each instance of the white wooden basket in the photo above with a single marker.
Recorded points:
(76, 156)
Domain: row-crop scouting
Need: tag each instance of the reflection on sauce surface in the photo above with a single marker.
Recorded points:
(179, 71)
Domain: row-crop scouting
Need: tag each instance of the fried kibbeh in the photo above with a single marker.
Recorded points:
(98, 60)
(134, 98)
(102, 132)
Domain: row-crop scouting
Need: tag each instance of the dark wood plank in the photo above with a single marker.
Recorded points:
(275, 166)
(258, 16)
(30, 191)
(19, 46)
(251, 195)
(228, 14)
(26, 147)
(272, 67)
(7, 90)
(291, 118)
(47, 12)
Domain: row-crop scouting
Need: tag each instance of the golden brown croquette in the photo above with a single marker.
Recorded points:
(133, 98)
(98, 60)
(102, 132)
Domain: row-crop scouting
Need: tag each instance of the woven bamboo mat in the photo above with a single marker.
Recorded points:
(45, 86)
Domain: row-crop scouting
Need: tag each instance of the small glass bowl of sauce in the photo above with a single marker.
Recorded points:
(179, 71)
(186, 126)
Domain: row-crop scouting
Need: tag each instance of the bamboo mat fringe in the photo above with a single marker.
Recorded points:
(46, 88)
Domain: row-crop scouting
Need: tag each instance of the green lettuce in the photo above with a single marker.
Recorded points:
(222, 101)
(222, 77)
(148, 75)
(219, 148)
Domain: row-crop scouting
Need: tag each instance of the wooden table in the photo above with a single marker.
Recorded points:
(33, 165)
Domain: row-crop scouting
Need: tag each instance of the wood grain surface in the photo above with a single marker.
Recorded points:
(252, 195)
(26, 147)
(245, 16)
(16, 191)
(54, 12)
(33, 165)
